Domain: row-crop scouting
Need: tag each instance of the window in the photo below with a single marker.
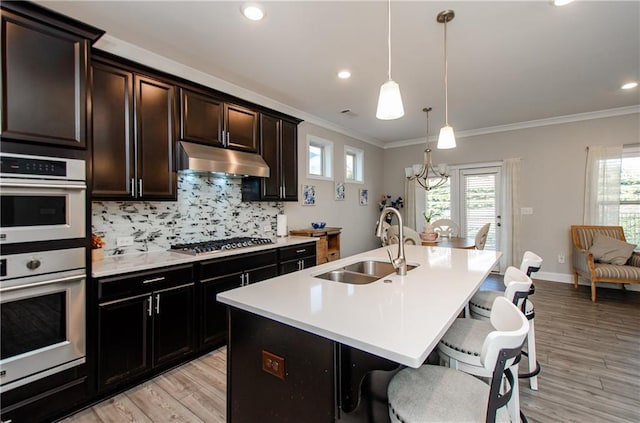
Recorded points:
(438, 200)
(353, 164)
(630, 194)
(319, 158)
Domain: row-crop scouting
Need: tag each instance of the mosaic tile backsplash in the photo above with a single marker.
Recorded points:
(208, 207)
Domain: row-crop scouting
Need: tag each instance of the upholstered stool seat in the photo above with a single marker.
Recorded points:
(480, 303)
(438, 394)
(464, 339)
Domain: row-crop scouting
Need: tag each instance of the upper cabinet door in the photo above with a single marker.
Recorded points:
(200, 118)
(113, 137)
(270, 149)
(289, 160)
(44, 97)
(241, 125)
(154, 104)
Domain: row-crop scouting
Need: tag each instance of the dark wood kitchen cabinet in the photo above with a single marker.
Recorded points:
(206, 119)
(223, 274)
(279, 149)
(145, 320)
(44, 76)
(297, 257)
(201, 118)
(133, 135)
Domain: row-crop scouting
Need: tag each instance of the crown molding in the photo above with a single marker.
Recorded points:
(138, 54)
(559, 120)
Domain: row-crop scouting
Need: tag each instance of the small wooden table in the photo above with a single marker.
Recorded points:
(452, 242)
(328, 246)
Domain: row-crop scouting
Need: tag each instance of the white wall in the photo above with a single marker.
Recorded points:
(357, 222)
(553, 166)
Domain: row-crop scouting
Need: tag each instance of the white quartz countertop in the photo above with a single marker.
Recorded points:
(114, 265)
(401, 320)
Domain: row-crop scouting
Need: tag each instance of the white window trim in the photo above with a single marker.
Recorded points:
(359, 164)
(327, 159)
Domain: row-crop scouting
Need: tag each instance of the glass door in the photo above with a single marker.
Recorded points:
(479, 203)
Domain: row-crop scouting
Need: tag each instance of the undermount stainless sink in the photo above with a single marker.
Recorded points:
(362, 272)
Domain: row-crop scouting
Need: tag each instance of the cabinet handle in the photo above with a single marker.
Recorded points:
(284, 190)
(228, 139)
(132, 184)
(161, 278)
(157, 303)
(140, 187)
(247, 278)
(242, 279)
(150, 305)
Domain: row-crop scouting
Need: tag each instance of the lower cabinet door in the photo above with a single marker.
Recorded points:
(261, 274)
(173, 323)
(214, 314)
(123, 339)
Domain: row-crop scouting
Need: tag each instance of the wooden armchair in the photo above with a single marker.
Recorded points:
(584, 264)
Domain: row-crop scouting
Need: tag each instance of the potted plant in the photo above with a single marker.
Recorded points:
(427, 230)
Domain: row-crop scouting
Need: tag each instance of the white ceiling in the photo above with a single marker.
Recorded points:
(509, 62)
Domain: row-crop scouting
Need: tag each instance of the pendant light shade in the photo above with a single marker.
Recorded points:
(446, 139)
(389, 100)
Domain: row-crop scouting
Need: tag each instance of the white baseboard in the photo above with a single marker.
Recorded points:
(568, 278)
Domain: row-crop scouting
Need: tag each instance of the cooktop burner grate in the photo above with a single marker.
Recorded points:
(216, 245)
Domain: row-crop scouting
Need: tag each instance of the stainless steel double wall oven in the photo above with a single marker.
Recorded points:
(42, 267)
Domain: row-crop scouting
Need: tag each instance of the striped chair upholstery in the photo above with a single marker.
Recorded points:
(585, 266)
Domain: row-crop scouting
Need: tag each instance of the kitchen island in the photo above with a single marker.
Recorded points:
(307, 349)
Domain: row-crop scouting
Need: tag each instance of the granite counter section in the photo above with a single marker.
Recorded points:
(115, 265)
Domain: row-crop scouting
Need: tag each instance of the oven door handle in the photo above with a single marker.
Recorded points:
(39, 185)
(49, 282)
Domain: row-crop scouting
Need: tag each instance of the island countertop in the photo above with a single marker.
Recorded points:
(400, 318)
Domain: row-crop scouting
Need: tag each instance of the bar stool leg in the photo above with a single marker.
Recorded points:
(531, 351)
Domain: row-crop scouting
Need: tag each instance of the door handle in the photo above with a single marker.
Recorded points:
(132, 184)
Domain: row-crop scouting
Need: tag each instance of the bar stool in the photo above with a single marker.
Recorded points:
(440, 394)
(462, 344)
(479, 307)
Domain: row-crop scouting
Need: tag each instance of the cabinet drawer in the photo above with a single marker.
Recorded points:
(297, 251)
(240, 263)
(135, 283)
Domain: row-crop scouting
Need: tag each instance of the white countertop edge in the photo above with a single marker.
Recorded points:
(128, 263)
(414, 362)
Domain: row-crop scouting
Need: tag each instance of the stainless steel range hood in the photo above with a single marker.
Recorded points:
(204, 159)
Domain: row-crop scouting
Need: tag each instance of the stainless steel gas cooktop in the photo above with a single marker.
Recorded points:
(217, 245)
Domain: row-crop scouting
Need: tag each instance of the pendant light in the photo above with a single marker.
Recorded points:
(446, 139)
(390, 100)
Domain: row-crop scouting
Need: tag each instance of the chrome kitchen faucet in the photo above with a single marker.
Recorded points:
(399, 263)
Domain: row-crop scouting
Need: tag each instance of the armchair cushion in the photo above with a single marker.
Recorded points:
(609, 250)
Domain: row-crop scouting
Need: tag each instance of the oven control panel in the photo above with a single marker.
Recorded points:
(31, 166)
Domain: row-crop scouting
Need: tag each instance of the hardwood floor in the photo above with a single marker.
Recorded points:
(590, 357)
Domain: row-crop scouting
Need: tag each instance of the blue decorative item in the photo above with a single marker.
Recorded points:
(318, 225)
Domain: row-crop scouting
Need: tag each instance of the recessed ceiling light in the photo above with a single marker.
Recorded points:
(344, 74)
(561, 2)
(253, 11)
(629, 85)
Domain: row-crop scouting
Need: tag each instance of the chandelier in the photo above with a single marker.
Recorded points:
(422, 174)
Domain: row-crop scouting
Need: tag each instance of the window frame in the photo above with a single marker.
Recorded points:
(358, 164)
(326, 159)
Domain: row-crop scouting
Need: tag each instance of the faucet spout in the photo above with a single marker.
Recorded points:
(399, 263)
